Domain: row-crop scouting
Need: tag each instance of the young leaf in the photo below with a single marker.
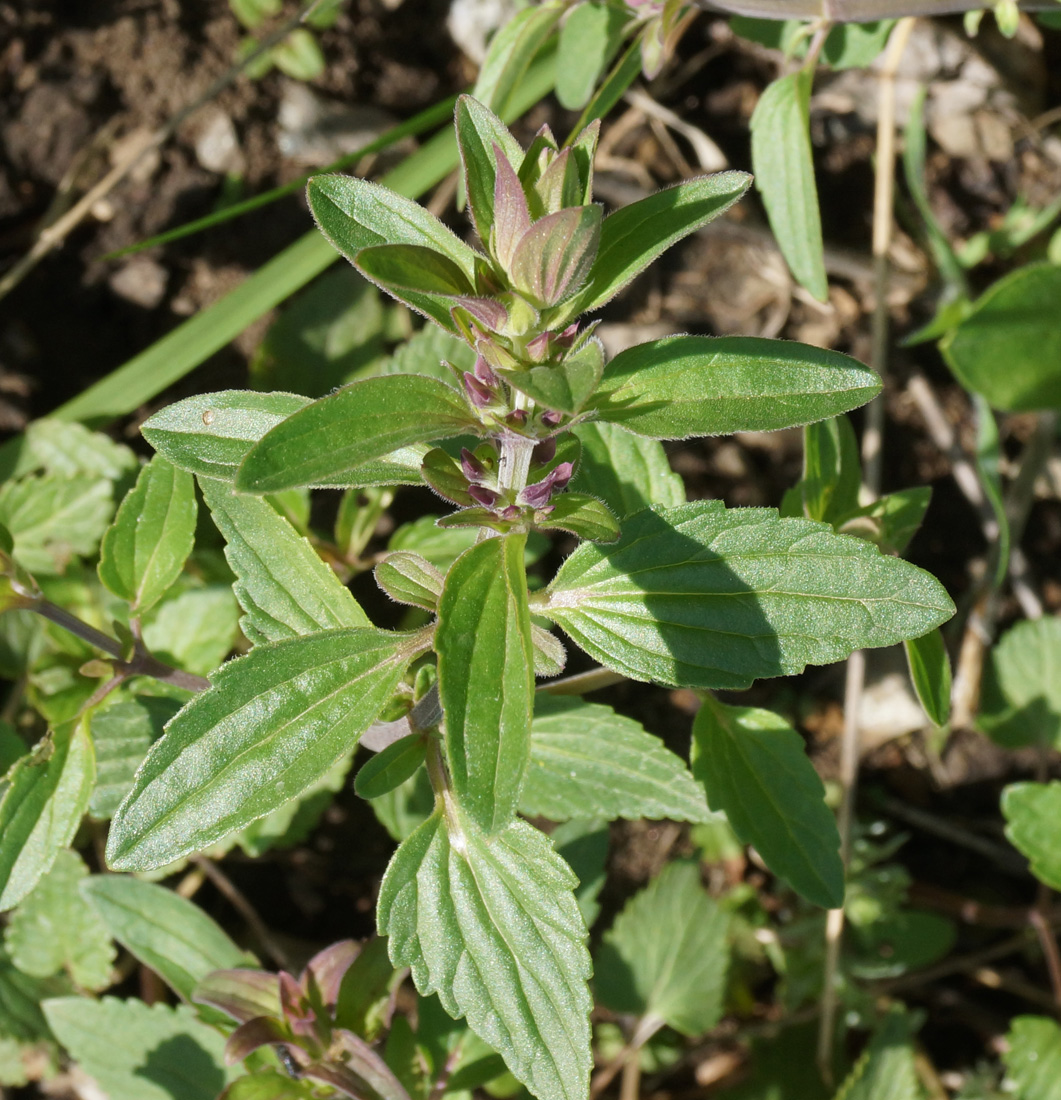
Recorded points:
(486, 678)
(930, 674)
(588, 761)
(409, 578)
(666, 955)
(273, 723)
(567, 385)
(1013, 322)
(145, 548)
(479, 130)
(68, 449)
(121, 735)
(633, 236)
(586, 42)
(211, 433)
(784, 174)
(554, 257)
(701, 385)
(892, 521)
(168, 933)
(1033, 813)
(1033, 1058)
(704, 596)
(628, 472)
(1021, 700)
(583, 516)
(754, 767)
(511, 52)
(363, 421)
(832, 471)
(45, 795)
(492, 927)
(282, 585)
(138, 1052)
(53, 932)
(391, 767)
(413, 267)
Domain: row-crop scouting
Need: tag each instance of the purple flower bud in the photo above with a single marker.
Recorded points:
(538, 348)
(544, 453)
(473, 469)
(551, 418)
(517, 418)
(484, 372)
(566, 338)
(562, 475)
(478, 394)
(510, 512)
(481, 495)
(547, 510)
(538, 495)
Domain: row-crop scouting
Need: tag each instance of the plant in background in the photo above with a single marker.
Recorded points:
(528, 436)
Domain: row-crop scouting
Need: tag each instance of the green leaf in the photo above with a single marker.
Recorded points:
(409, 578)
(588, 761)
(704, 596)
(635, 235)
(478, 131)
(54, 518)
(299, 55)
(701, 385)
(391, 767)
(988, 466)
(413, 267)
(21, 1018)
(52, 931)
(146, 547)
(196, 630)
(892, 521)
(886, 1070)
(45, 795)
(404, 809)
(273, 723)
(565, 386)
(364, 421)
(1033, 814)
(666, 956)
(170, 934)
(59, 447)
(282, 585)
(553, 258)
(583, 844)
(427, 352)
(754, 768)
(511, 52)
(140, 1052)
(856, 45)
(210, 434)
(586, 42)
(626, 471)
(832, 472)
(269, 1084)
(486, 678)
(784, 174)
(1014, 322)
(582, 515)
(1021, 699)
(491, 926)
(930, 675)
(1033, 1057)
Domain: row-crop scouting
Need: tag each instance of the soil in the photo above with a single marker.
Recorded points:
(79, 80)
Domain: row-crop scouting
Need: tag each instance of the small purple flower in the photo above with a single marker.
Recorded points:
(473, 469)
(482, 495)
(478, 394)
(544, 453)
(539, 494)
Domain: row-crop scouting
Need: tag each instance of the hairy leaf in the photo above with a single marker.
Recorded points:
(700, 385)
(586, 42)
(486, 678)
(409, 578)
(282, 585)
(491, 926)
(511, 52)
(366, 420)
(273, 723)
(666, 955)
(478, 131)
(705, 596)
(1033, 814)
(628, 472)
(754, 767)
(588, 761)
(582, 515)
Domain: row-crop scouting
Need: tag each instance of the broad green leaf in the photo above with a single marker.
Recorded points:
(511, 52)
(53, 932)
(586, 42)
(583, 844)
(283, 586)
(491, 926)
(666, 955)
(413, 267)
(887, 1069)
(59, 447)
(146, 547)
(486, 678)
(121, 734)
(856, 45)
(705, 596)
(45, 795)
(139, 1052)
(390, 768)
(896, 942)
(784, 175)
(427, 352)
(441, 546)
(628, 472)
(210, 434)
(54, 518)
(1014, 322)
(364, 421)
(170, 934)
(196, 630)
(588, 761)
(582, 515)
(478, 131)
(930, 674)
(273, 723)
(892, 521)
(754, 767)
(404, 809)
(701, 385)
(21, 1019)
(1033, 814)
(1033, 1057)
(270, 1084)
(1021, 699)
(633, 236)
(565, 386)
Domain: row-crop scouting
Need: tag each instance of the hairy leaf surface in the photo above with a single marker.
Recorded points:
(628, 472)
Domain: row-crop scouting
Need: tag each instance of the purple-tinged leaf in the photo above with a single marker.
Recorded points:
(482, 495)
(487, 311)
(565, 386)
(324, 972)
(559, 185)
(583, 150)
(443, 474)
(479, 133)
(511, 214)
(262, 1031)
(554, 257)
(242, 994)
(356, 1070)
(539, 494)
(478, 394)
